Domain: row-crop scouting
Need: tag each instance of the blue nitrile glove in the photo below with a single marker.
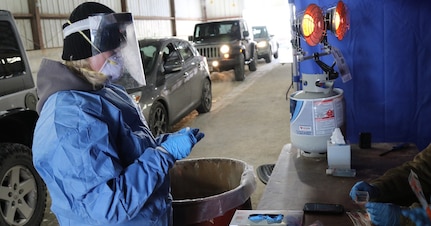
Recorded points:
(383, 214)
(373, 191)
(270, 218)
(180, 144)
(417, 215)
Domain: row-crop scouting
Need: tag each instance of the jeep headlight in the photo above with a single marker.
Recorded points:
(262, 44)
(224, 49)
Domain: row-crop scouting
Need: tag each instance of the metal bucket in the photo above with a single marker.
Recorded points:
(207, 191)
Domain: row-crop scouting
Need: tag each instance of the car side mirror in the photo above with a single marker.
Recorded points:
(190, 38)
(245, 34)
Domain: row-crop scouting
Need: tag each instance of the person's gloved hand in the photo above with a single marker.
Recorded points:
(180, 144)
(417, 215)
(364, 186)
(385, 214)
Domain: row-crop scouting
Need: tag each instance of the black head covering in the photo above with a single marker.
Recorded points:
(75, 47)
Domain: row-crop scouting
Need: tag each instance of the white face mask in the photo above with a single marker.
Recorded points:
(113, 67)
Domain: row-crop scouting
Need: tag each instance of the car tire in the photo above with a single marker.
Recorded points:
(206, 98)
(268, 58)
(252, 66)
(24, 186)
(159, 119)
(239, 68)
(276, 55)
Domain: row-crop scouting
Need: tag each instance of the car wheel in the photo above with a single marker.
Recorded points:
(159, 120)
(276, 55)
(239, 69)
(268, 58)
(252, 66)
(206, 99)
(23, 193)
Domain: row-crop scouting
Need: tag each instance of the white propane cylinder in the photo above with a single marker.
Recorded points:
(314, 116)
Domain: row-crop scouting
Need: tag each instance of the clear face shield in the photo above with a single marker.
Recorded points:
(114, 35)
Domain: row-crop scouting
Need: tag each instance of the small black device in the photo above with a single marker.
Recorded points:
(323, 208)
(365, 140)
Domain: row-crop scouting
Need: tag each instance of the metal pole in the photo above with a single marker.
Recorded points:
(295, 66)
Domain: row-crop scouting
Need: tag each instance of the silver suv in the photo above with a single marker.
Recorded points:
(22, 191)
(267, 45)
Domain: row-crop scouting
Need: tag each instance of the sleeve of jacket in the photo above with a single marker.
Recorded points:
(82, 159)
(394, 186)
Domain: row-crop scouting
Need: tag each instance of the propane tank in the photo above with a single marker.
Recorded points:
(315, 112)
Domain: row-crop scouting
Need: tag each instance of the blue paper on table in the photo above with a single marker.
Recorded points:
(267, 217)
(270, 218)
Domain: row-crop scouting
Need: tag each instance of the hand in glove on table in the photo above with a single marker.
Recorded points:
(364, 186)
(383, 214)
(418, 215)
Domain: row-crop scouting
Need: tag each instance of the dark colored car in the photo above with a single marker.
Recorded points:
(267, 45)
(178, 82)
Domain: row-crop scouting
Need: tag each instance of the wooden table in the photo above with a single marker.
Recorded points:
(297, 179)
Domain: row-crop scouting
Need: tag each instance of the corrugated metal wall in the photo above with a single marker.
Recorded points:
(217, 9)
(150, 11)
(188, 13)
(52, 28)
(153, 18)
(15, 6)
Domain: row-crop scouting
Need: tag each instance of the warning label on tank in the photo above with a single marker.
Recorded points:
(324, 117)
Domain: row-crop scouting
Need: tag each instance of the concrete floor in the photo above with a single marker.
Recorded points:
(249, 120)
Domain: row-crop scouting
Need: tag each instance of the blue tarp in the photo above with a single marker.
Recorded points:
(388, 49)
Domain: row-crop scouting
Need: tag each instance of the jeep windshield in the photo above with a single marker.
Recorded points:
(225, 30)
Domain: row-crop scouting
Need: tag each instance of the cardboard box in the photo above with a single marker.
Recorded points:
(290, 217)
(339, 156)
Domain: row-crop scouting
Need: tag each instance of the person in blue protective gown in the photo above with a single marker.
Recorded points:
(92, 146)
(392, 200)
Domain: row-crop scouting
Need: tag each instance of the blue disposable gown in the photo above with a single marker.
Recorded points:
(96, 154)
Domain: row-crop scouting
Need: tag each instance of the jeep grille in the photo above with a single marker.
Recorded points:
(209, 52)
